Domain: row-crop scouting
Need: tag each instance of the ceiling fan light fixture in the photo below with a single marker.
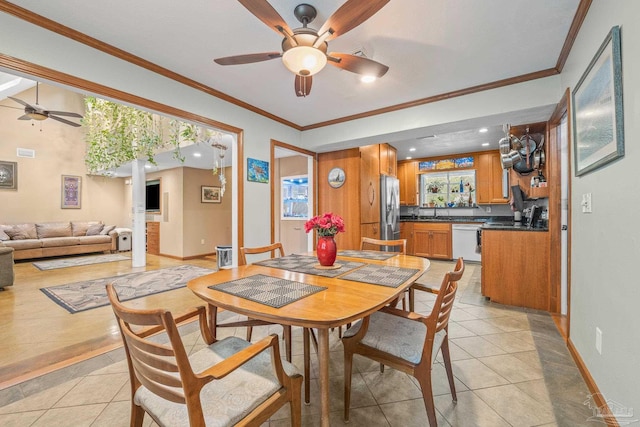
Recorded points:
(368, 79)
(34, 115)
(304, 60)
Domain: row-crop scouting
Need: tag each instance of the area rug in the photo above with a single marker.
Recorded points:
(76, 261)
(82, 296)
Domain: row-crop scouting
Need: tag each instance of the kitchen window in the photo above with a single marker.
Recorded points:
(295, 197)
(448, 189)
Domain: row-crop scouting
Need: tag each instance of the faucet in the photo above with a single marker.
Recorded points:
(435, 212)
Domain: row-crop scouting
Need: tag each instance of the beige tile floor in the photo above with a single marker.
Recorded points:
(511, 365)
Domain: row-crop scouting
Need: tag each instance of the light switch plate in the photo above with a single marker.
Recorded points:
(586, 203)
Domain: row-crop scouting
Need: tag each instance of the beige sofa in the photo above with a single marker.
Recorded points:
(6, 267)
(47, 239)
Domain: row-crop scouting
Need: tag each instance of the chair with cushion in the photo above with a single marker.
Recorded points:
(399, 245)
(406, 341)
(424, 284)
(6, 267)
(230, 382)
(250, 323)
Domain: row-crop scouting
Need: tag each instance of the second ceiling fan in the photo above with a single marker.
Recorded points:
(304, 50)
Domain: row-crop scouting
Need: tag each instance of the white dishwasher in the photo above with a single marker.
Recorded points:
(465, 241)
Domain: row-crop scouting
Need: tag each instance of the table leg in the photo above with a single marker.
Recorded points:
(323, 363)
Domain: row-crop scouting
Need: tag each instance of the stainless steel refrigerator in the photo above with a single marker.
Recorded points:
(389, 208)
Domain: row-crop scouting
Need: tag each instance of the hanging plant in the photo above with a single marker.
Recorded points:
(117, 134)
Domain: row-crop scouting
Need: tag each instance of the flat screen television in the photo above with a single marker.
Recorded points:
(152, 196)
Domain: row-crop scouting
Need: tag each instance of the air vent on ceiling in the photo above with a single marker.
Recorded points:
(26, 152)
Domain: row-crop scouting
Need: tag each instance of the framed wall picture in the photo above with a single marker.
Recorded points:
(71, 192)
(597, 108)
(8, 175)
(336, 177)
(210, 194)
(257, 170)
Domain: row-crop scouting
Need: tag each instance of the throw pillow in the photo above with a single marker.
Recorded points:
(107, 229)
(94, 229)
(3, 236)
(16, 233)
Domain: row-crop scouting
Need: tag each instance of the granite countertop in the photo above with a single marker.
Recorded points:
(503, 223)
(501, 226)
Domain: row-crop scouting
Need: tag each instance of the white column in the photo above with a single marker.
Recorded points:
(138, 182)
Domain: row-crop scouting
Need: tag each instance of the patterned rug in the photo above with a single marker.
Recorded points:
(76, 261)
(81, 296)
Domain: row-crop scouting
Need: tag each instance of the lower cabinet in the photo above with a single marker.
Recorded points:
(406, 232)
(432, 240)
(371, 229)
(153, 237)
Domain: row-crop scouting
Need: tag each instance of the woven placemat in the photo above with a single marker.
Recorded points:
(374, 255)
(272, 291)
(306, 264)
(381, 275)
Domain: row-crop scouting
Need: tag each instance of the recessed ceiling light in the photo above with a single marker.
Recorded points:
(412, 149)
(409, 158)
(485, 144)
(483, 130)
(368, 79)
(197, 155)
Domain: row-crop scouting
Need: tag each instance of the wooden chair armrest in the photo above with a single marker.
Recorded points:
(230, 364)
(401, 313)
(425, 288)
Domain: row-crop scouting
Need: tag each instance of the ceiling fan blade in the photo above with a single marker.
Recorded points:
(65, 113)
(357, 64)
(247, 59)
(10, 106)
(20, 101)
(303, 85)
(350, 15)
(65, 121)
(267, 14)
(25, 117)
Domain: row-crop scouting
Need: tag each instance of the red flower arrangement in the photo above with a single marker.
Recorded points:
(327, 224)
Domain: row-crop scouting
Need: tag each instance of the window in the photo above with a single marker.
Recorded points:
(295, 197)
(448, 189)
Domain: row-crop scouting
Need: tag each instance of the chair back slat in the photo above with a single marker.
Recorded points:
(273, 248)
(384, 245)
(165, 362)
(156, 376)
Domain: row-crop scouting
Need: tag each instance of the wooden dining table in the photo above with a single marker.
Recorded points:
(340, 301)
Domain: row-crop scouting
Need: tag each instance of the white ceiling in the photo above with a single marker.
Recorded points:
(432, 47)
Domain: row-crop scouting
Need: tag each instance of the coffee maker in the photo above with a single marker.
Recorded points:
(531, 215)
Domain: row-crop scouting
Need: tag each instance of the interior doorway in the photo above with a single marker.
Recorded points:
(292, 196)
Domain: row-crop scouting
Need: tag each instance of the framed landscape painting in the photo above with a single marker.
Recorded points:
(598, 109)
(210, 194)
(71, 192)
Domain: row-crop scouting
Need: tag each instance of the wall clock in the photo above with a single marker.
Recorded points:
(336, 177)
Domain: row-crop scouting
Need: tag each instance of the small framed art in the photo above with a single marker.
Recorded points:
(71, 192)
(257, 170)
(210, 194)
(8, 175)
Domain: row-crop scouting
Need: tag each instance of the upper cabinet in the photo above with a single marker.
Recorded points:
(407, 174)
(388, 160)
(490, 179)
(369, 184)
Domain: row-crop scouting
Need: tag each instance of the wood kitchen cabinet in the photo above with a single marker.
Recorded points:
(406, 232)
(388, 159)
(489, 179)
(371, 230)
(515, 268)
(369, 184)
(432, 240)
(407, 174)
(153, 237)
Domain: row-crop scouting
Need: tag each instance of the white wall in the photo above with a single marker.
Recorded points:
(605, 244)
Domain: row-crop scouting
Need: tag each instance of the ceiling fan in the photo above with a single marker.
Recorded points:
(37, 112)
(304, 50)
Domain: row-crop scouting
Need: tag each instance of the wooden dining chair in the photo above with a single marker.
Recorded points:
(230, 382)
(423, 286)
(406, 341)
(274, 248)
(384, 245)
